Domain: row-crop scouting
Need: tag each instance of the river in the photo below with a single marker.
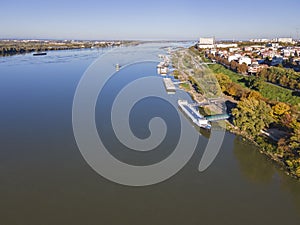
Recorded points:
(45, 180)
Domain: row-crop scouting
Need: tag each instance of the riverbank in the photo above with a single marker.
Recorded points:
(249, 104)
(15, 47)
(280, 163)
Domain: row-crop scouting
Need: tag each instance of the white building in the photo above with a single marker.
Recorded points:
(245, 60)
(206, 43)
(231, 45)
(253, 68)
(262, 40)
(275, 45)
(234, 49)
(206, 46)
(288, 52)
(233, 57)
(285, 40)
(213, 51)
(248, 49)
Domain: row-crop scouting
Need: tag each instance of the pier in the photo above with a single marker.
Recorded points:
(214, 118)
(198, 119)
(169, 85)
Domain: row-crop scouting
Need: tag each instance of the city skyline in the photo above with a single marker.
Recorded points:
(155, 20)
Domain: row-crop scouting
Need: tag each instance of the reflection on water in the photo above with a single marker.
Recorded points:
(288, 185)
(253, 164)
(258, 169)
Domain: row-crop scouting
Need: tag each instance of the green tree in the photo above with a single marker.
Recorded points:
(252, 115)
(295, 138)
(254, 83)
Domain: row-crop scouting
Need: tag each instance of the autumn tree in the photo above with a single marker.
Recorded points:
(236, 90)
(242, 68)
(254, 94)
(224, 81)
(295, 138)
(252, 115)
(280, 109)
(233, 65)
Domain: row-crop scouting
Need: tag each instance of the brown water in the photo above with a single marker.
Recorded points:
(45, 180)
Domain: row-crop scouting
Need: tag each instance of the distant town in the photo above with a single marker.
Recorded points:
(251, 56)
(254, 54)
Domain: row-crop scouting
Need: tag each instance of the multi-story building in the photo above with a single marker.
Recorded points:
(285, 40)
(206, 43)
(227, 45)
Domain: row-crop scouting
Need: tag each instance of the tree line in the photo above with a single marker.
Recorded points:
(232, 65)
(287, 78)
(8, 48)
(284, 77)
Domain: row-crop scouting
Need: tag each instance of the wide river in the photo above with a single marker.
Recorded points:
(44, 179)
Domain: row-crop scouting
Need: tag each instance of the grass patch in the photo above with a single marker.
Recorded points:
(185, 86)
(279, 94)
(236, 78)
(267, 90)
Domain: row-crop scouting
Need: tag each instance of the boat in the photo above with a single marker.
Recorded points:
(117, 67)
(162, 68)
(39, 53)
(198, 119)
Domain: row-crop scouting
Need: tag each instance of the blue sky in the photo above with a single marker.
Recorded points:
(176, 19)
